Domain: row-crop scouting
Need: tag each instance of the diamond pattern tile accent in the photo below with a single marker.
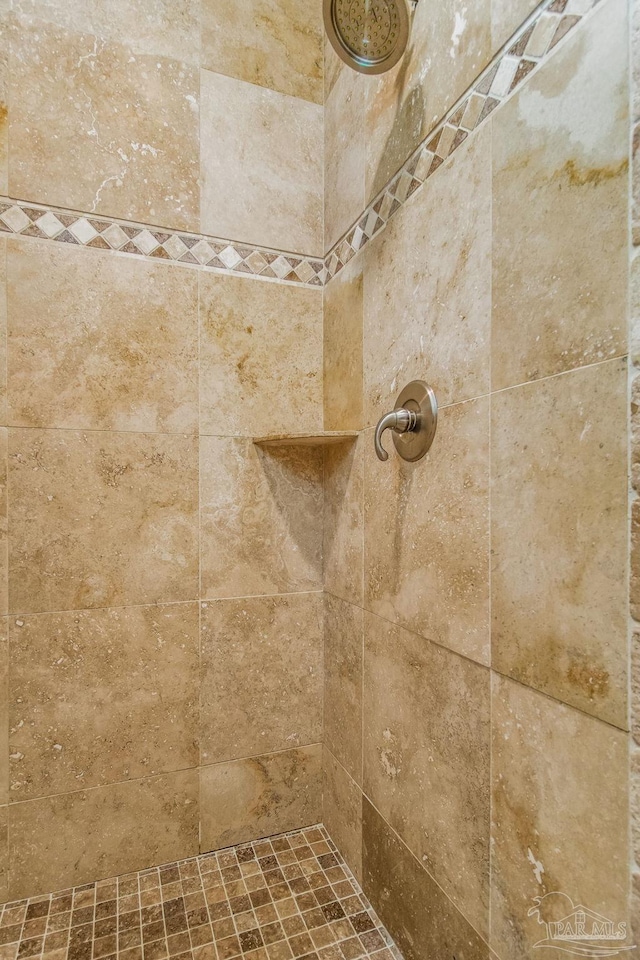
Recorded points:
(529, 46)
(284, 898)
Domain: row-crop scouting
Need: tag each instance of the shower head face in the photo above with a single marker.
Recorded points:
(369, 35)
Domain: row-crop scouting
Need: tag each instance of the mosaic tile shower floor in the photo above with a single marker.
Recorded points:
(286, 897)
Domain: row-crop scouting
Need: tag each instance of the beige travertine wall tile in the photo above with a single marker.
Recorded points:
(343, 328)
(257, 797)
(427, 758)
(130, 122)
(560, 148)
(94, 341)
(3, 330)
(343, 519)
(103, 695)
(415, 911)
(333, 67)
(343, 627)
(80, 837)
(427, 288)
(4, 96)
(450, 43)
(261, 675)
(344, 155)
(272, 43)
(4, 716)
(164, 28)
(560, 818)
(4, 853)
(427, 534)
(559, 537)
(260, 357)
(261, 165)
(261, 519)
(506, 17)
(101, 519)
(342, 812)
(4, 540)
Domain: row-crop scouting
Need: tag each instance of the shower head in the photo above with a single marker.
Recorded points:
(369, 35)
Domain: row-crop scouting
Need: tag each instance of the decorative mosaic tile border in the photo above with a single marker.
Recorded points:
(278, 899)
(530, 45)
(103, 233)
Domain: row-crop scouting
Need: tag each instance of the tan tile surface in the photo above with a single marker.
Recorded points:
(272, 43)
(246, 799)
(342, 810)
(559, 539)
(449, 46)
(260, 357)
(3, 330)
(560, 814)
(266, 148)
(344, 155)
(427, 758)
(4, 539)
(140, 822)
(100, 696)
(94, 341)
(262, 671)
(506, 17)
(4, 714)
(343, 519)
(427, 534)
(343, 331)
(101, 519)
(165, 28)
(432, 270)
(344, 636)
(422, 920)
(130, 121)
(560, 147)
(289, 896)
(261, 519)
(4, 853)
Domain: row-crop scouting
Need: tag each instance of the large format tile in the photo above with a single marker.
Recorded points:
(342, 811)
(344, 155)
(560, 818)
(163, 28)
(4, 96)
(101, 519)
(560, 187)
(4, 540)
(3, 331)
(450, 43)
(80, 837)
(343, 322)
(260, 357)
(257, 797)
(261, 519)
(506, 17)
(94, 341)
(96, 127)
(559, 537)
(417, 914)
(427, 758)
(427, 534)
(427, 288)
(343, 519)
(100, 696)
(4, 715)
(261, 686)
(272, 43)
(261, 165)
(343, 627)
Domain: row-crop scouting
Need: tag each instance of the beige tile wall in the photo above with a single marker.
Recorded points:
(491, 631)
(191, 114)
(164, 580)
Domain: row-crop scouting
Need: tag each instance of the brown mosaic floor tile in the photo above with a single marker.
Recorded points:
(284, 898)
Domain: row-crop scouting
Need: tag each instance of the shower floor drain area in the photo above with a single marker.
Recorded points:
(286, 897)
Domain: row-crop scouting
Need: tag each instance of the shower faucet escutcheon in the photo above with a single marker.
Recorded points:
(413, 422)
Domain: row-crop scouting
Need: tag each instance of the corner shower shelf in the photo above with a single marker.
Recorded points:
(321, 439)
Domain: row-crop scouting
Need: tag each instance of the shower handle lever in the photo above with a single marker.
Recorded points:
(400, 421)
